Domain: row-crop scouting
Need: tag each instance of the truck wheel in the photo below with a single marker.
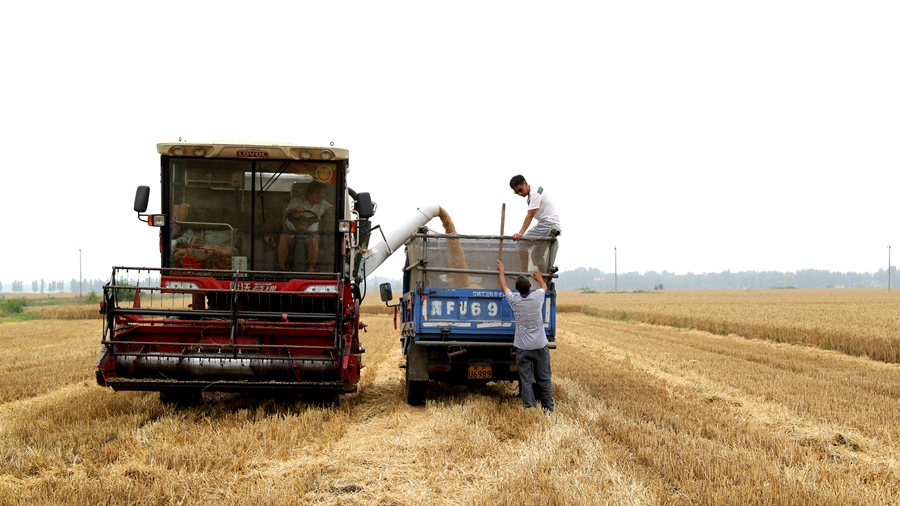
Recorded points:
(415, 392)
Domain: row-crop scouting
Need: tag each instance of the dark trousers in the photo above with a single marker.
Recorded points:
(535, 365)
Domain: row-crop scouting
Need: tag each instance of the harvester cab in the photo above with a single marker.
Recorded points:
(263, 249)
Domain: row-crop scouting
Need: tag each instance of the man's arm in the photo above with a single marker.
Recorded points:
(540, 279)
(293, 207)
(528, 217)
(502, 270)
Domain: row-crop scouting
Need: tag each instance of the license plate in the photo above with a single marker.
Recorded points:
(481, 372)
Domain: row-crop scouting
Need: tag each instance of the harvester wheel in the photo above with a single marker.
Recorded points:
(180, 398)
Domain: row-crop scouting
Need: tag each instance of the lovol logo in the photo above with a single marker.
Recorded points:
(252, 153)
(323, 173)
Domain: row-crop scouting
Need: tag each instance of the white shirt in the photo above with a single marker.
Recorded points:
(546, 210)
(318, 209)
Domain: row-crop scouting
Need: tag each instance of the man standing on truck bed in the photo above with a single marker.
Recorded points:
(530, 342)
(541, 208)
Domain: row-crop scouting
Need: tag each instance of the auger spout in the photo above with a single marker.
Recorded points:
(377, 254)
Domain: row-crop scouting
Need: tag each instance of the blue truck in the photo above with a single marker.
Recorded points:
(456, 326)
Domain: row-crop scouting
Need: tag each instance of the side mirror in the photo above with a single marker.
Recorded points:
(141, 197)
(364, 205)
(386, 294)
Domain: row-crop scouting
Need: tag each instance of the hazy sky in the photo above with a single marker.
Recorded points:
(695, 136)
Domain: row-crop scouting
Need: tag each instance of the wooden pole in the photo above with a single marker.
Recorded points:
(502, 223)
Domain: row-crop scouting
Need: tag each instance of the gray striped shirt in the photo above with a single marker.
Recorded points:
(529, 315)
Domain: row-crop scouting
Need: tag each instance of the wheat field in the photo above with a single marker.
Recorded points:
(646, 414)
(854, 321)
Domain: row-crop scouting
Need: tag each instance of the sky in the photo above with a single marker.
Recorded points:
(691, 136)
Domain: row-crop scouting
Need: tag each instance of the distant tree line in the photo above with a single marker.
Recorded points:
(42, 286)
(373, 282)
(596, 279)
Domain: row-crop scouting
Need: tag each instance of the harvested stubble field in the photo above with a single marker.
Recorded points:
(858, 322)
(646, 414)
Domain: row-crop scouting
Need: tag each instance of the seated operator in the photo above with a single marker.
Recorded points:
(301, 221)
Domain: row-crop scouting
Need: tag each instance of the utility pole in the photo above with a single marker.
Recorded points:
(889, 267)
(79, 273)
(616, 268)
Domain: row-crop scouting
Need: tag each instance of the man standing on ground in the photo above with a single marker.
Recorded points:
(532, 349)
(540, 208)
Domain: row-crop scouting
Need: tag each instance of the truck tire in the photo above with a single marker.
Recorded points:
(415, 392)
(416, 374)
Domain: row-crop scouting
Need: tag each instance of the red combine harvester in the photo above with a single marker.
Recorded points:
(264, 249)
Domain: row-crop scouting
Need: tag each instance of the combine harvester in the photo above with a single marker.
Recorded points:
(237, 305)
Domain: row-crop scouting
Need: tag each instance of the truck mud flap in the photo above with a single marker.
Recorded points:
(417, 362)
(416, 374)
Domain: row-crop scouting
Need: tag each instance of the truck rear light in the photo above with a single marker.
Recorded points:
(156, 220)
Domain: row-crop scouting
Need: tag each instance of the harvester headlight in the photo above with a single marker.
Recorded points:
(326, 154)
(178, 150)
(320, 289)
(345, 226)
(199, 151)
(156, 220)
(183, 285)
(305, 154)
